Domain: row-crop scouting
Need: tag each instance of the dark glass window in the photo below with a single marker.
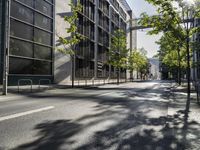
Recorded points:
(21, 30)
(92, 65)
(92, 50)
(27, 2)
(42, 52)
(44, 7)
(20, 66)
(42, 37)
(42, 68)
(43, 21)
(20, 12)
(21, 48)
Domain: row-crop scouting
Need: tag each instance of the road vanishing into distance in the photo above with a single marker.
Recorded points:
(129, 116)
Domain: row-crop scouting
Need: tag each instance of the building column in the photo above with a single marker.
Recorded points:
(96, 40)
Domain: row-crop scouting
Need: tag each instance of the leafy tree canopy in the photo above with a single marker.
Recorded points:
(70, 43)
(137, 61)
(118, 52)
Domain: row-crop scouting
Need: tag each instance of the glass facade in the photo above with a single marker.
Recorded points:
(0, 22)
(31, 37)
(1, 40)
(85, 52)
(103, 39)
(107, 15)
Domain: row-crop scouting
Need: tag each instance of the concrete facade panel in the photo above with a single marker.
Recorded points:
(62, 65)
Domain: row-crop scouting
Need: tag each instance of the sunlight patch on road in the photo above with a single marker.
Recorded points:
(113, 94)
(105, 94)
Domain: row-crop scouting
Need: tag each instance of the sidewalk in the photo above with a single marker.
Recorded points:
(51, 90)
(183, 130)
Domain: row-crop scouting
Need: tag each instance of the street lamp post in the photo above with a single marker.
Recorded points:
(188, 4)
(188, 63)
(179, 66)
(6, 47)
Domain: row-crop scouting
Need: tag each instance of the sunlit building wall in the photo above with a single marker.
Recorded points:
(35, 26)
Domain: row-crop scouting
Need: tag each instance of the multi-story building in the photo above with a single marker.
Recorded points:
(154, 70)
(196, 54)
(2, 26)
(33, 28)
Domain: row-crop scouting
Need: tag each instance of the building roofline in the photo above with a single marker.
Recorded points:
(126, 5)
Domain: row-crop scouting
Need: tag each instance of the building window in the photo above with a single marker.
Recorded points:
(31, 43)
(20, 66)
(21, 12)
(42, 52)
(43, 22)
(21, 30)
(42, 37)
(42, 67)
(27, 2)
(21, 48)
(44, 7)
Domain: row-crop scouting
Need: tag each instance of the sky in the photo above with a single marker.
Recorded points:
(146, 41)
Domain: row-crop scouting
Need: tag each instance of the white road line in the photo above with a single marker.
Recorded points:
(25, 113)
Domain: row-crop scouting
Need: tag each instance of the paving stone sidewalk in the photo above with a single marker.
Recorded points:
(183, 130)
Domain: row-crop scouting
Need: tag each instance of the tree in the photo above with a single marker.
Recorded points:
(170, 19)
(173, 53)
(118, 52)
(139, 62)
(69, 44)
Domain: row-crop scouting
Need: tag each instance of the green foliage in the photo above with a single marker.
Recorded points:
(138, 61)
(172, 50)
(169, 18)
(172, 61)
(173, 43)
(70, 43)
(118, 52)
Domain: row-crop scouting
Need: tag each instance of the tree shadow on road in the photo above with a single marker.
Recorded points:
(51, 135)
(120, 124)
(156, 134)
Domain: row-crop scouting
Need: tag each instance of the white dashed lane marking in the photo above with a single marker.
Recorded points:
(25, 113)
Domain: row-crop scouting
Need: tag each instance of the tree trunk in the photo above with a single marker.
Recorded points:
(188, 70)
(72, 70)
(179, 68)
(131, 76)
(118, 76)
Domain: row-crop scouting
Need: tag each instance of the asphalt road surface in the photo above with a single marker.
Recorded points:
(130, 116)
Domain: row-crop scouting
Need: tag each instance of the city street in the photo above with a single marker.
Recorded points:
(100, 75)
(129, 116)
